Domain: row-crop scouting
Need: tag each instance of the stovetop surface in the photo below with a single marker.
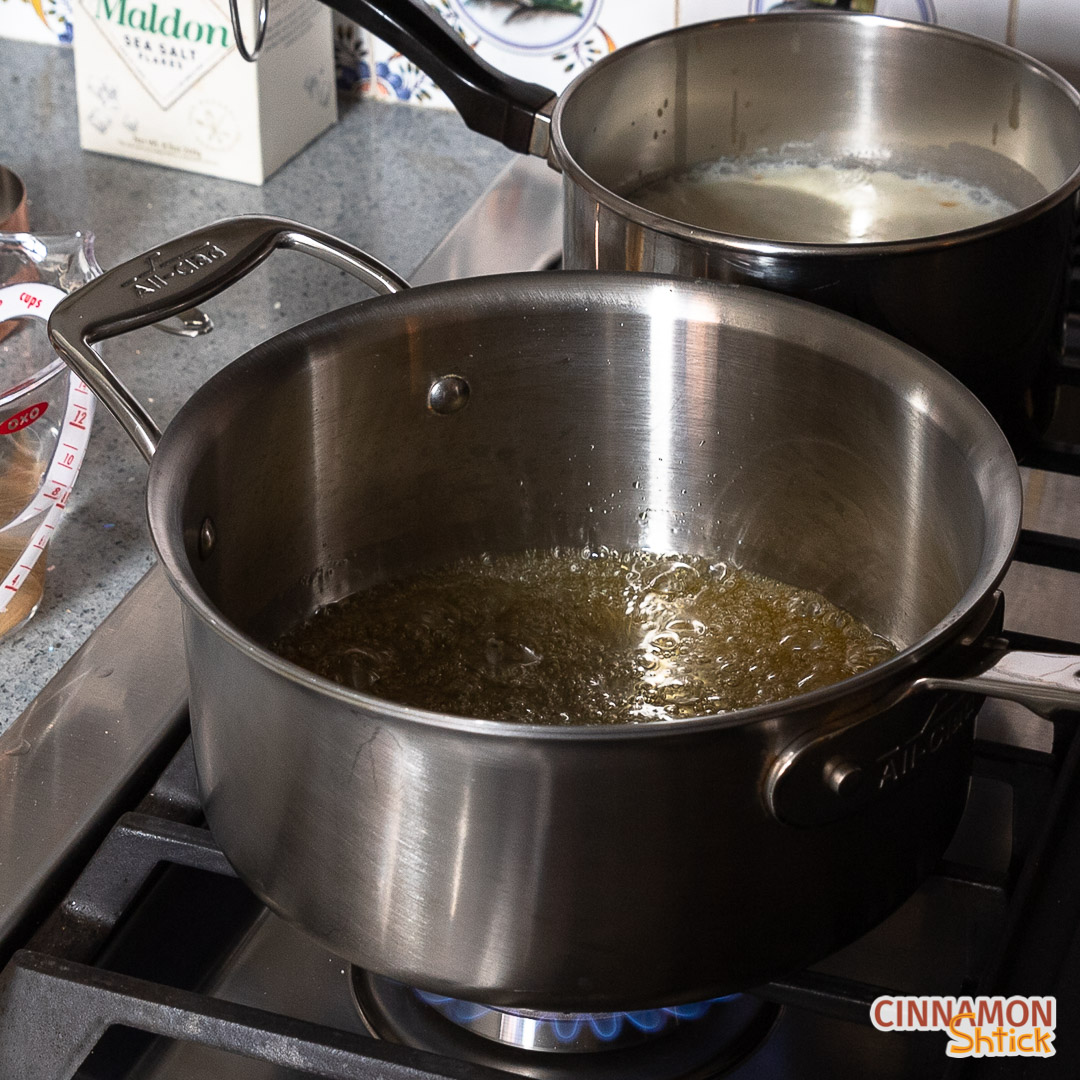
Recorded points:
(160, 965)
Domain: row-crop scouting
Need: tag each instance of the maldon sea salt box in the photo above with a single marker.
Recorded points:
(162, 81)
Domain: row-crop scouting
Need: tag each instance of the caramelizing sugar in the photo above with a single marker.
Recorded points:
(584, 637)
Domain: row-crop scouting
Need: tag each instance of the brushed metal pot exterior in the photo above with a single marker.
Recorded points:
(571, 868)
(563, 870)
(988, 303)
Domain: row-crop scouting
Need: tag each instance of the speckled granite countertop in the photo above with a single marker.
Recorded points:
(388, 178)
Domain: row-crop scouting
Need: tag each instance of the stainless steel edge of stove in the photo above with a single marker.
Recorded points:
(68, 762)
(515, 225)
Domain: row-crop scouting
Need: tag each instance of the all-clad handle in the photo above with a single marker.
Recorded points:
(173, 278)
(491, 102)
(822, 778)
(1045, 683)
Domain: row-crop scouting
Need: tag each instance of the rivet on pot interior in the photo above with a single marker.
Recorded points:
(207, 538)
(448, 394)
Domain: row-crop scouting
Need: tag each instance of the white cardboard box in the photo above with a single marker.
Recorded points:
(162, 81)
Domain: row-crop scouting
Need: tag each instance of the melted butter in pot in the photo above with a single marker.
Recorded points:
(593, 637)
(819, 204)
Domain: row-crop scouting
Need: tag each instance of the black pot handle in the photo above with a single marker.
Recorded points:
(174, 277)
(491, 102)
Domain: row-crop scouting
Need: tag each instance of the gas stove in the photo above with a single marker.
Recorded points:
(128, 949)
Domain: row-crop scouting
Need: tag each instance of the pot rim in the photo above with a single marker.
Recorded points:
(172, 459)
(693, 234)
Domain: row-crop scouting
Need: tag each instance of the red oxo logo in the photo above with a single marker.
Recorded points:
(23, 418)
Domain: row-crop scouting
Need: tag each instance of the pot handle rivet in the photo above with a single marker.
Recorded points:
(207, 538)
(843, 776)
(448, 394)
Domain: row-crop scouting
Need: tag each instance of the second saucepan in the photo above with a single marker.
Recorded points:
(819, 91)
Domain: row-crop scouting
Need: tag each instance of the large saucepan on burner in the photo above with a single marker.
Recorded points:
(571, 867)
(986, 302)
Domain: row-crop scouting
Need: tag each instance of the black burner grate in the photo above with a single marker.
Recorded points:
(61, 995)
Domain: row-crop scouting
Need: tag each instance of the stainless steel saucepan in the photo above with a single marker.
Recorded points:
(986, 302)
(571, 868)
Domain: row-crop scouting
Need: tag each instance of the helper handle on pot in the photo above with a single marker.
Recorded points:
(491, 102)
(174, 277)
(823, 777)
(1045, 683)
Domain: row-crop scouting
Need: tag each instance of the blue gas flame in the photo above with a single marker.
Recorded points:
(605, 1026)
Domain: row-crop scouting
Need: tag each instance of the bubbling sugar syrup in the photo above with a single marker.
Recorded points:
(825, 203)
(571, 636)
